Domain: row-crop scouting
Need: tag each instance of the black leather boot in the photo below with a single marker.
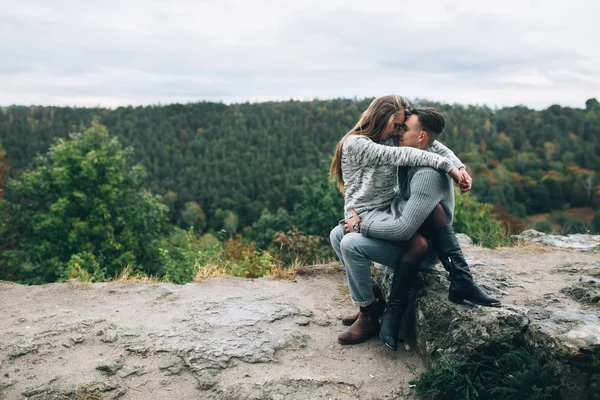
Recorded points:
(404, 276)
(462, 286)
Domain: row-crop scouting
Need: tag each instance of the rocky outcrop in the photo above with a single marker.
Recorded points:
(576, 242)
(441, 327)
(537, 310)
(225, 338)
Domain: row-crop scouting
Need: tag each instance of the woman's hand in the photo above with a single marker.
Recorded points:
(467, 182)
(350, 222)
(456, 175)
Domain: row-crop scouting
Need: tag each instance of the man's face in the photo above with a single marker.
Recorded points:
(412, 134)
(395, 126)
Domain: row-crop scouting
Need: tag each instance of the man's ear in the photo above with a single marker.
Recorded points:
(423, 136)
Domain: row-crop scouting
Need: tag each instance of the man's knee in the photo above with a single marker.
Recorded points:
(335, 236)
(350, 242)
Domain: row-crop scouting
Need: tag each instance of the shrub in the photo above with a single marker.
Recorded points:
(295, 247)
(478, 222)
(543, 226)
(80, 208)
(178, 256)
(502, 372)
(596, 223)
(245, 259)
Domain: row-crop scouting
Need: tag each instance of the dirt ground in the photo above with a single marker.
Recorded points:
(190, 341)
(225, 338)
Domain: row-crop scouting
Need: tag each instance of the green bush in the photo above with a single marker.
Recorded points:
(178, 256)
(478, 222)
(295, 247)
(80, 210)
(503, 372)
(245, 260)
(543, 226)
(596, 223)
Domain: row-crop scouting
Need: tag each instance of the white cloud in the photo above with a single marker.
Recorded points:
(114, 53)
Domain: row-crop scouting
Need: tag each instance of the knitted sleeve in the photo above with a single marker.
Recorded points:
(427, 188)
(363, 152)
(443, 151)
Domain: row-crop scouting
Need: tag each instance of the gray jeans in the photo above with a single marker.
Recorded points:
(356, 252)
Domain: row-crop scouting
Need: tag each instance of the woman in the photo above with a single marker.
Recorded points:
(365, 167)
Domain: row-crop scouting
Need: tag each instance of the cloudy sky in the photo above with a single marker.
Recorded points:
(112, 53)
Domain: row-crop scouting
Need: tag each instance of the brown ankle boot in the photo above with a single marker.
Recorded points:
(365, 327)
(350, 319)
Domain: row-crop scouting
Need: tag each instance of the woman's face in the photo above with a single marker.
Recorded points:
(394, 127)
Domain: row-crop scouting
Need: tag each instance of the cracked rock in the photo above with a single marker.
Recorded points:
(111, 367)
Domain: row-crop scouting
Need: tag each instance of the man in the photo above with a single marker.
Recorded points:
(421, 189)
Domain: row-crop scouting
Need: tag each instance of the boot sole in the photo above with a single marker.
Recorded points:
(462, 301)
(348, 323)
(387, 345)
(358, 341)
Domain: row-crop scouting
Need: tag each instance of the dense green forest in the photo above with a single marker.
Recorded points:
(243, 158)
(251, 169)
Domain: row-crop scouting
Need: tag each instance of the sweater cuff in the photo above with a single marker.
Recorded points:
(364, 229)
(445, 165)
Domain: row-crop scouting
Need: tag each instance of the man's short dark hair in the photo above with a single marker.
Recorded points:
(431, 121)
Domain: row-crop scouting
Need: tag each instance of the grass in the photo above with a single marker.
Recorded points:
(129, 275)
(504, 371)
(211, 271)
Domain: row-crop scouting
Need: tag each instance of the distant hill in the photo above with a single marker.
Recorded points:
(245, 157)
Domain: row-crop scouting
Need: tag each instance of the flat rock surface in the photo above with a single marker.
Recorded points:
(223, 338)
(237, 338)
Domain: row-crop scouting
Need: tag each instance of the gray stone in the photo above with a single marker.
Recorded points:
(134, 370)
(110, 367)
(443, 327)
(303, 321)
(105, 389)
(109, 336)
(24, 346)
(295, 340)
(5, 382)
(76, 339)
(592, 269)
(463, 239)
(589, 243)
(139, 347)
(172, 364)
(239, 313)
(206, 379)
(586, 291)
(43, 388)
(572, 340)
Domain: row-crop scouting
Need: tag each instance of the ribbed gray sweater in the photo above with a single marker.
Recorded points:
(369, 170)
(421, 189)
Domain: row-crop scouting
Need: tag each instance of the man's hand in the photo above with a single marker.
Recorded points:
(350, 222)
(457, 176)
(467, 181)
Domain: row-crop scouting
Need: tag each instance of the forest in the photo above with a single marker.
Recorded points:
(250, 172)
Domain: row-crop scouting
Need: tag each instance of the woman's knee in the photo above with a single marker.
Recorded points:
(418, 245)
(438, 217)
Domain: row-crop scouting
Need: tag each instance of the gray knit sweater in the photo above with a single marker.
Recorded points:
(421, 189)
(369, 170)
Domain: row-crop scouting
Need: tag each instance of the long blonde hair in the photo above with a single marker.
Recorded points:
(372, 123)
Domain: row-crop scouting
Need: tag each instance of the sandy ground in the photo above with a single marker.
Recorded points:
(63, 331)
(226, 338)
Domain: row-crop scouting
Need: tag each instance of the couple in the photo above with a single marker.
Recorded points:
(394, 145)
